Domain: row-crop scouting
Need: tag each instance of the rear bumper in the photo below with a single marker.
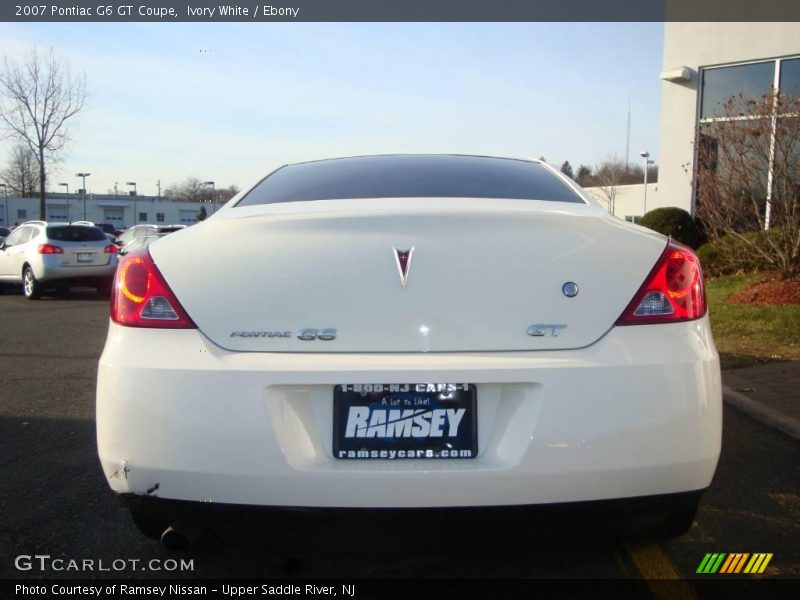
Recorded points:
(49, 268)
(617, 516)
(636, 414)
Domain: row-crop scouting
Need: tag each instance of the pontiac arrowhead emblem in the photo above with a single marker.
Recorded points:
(403, 259)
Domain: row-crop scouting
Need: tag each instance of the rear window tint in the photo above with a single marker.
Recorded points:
(411, 176)
(76, 233)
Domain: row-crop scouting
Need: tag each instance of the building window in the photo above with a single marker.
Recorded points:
(57, 213)
(790, 77)
(142, 217)
(739, 132)
(159, 217)
(22, 213)
(722, 83)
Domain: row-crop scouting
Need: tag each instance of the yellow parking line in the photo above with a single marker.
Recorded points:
(653, 564)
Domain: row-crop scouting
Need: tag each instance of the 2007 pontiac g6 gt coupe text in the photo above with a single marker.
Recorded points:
(410, 331)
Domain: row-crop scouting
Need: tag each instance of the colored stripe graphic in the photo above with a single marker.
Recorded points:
(711, 562)
(734, 563)
(758, 563)
(723, 563)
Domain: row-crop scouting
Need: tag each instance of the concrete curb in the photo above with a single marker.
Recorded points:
(762, 413)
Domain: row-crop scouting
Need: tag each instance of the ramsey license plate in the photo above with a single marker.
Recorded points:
(405, 420)
(85, 257)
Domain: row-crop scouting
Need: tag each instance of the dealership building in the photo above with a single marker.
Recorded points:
(704, 64)
(120, 211)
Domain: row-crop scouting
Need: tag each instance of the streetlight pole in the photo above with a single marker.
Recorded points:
(213, 196)
(135, 205)
(66, 185)
(646, 157)
(5, 189)
(83, 176)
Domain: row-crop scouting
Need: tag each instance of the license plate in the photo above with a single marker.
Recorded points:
(85, 257)
(405, 421)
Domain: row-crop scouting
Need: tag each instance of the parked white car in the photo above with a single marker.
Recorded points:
(410, 332)
(42, 256)
(146, 230)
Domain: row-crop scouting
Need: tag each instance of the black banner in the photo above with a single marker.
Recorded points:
(515, 589)
(398, 10)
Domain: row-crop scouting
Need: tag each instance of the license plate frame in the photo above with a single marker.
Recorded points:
(389, 436)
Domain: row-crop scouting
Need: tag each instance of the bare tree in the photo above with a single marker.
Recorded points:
(226, 193)
(193, 189)
(22, 172)
(609, 176)
(190, 189)
(748, 177)
(39, 97)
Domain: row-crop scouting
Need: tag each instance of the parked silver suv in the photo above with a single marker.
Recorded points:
(44, 255)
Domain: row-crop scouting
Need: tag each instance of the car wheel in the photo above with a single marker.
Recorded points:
(30, 286)
(149, 524)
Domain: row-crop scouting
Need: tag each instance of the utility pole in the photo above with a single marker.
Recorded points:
(628, 137)
(159, 189)
(83, 176)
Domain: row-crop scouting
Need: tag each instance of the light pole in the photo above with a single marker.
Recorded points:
(66, 185)
(647, 163)
(213, 196)
(5, 189)
(83, 176)
(135, 205)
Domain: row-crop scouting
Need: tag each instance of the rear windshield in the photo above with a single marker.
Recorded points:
(76, 233)
(411, 176)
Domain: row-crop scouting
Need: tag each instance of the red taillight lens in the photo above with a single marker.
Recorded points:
(110, 249)
(50, 249)
(673, 291)
(141, 297)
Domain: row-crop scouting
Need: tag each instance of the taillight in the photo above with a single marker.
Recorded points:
(110, 249)
(673, 291)
(50, 249)
(141, 297)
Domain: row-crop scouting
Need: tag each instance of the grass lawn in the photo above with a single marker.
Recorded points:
(745, 333)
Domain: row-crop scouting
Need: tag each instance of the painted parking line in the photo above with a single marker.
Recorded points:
(654, 565)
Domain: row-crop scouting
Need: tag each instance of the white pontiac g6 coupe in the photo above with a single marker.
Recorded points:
(410, 332)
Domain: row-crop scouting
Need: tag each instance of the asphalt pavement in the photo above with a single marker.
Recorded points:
(54, 499)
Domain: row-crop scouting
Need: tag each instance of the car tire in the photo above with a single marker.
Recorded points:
(31, 287)
(149, 524)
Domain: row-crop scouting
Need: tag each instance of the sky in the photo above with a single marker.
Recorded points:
(230, 102)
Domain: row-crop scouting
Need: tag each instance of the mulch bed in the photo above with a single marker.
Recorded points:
(771, 291)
